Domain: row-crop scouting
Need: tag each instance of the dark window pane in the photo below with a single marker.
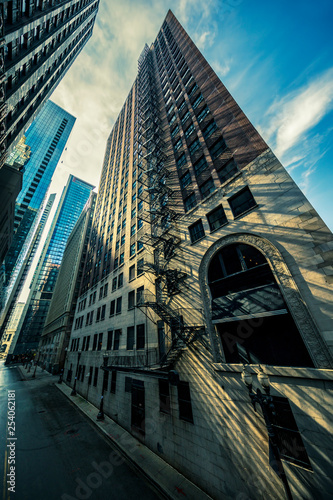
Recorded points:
(130, 338)
(228, 171)
(207, 188)
(216, 218)
(164, 393)
(196, 231)
(140, 336)
(184, 402)
(241, 202)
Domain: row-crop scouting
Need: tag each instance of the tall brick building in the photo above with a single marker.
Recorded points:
(205, 256)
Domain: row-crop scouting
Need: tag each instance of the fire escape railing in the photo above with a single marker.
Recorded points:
(160, 211)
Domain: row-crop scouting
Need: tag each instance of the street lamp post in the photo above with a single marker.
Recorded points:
(266, 403)
(73, 393)
(100, 415)
(62, 369)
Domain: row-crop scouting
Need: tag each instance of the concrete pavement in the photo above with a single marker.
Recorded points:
(165, 479)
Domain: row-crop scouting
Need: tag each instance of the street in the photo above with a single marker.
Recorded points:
(53, 452)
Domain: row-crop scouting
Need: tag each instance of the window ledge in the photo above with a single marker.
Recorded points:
(222, 225)
(200, 239)
(246, 212)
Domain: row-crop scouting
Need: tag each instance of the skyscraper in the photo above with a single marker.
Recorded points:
(10, 309)
(59, 320)
(204, 257)
(73, 199)
(40, 42)
(46, 137)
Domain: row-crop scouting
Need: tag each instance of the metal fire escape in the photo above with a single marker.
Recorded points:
(159, 211)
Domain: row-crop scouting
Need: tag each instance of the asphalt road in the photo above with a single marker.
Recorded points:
(58, 453)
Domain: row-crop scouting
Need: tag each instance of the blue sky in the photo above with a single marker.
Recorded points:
(274, 57)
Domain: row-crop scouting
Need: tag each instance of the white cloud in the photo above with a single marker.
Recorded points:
(293, 116)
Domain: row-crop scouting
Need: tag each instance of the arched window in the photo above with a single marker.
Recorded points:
(249, 312)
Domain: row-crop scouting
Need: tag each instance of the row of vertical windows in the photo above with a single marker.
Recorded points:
(239, 203)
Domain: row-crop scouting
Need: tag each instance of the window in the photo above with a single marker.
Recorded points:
(117, 245)
(101, 292)
(200, 165)
(139, 295)
(289, 439)
(116, 263)
(216, 218)
(194, 146)
(178, 145)
(164, 393)
(121, 258)
(132, 272)
(130, 338)
(217, 149)
(105, 380)
(95, 342)
(197, 101)
(100, 342)
(95, 376)
(131, 299)
(140, 336)
(209, 130)
(190, 202)
(184, 402)
(133, 213)
(207, 188)
(133, 229)
(117, 334)
(98, 315)
(120, 280)
(241, 202)
(110, 340)
(228, 171)
(114, 284)
(203, 114)
(132, 249)
(185, 117)
(140, 205)
(87, 344)
(174, 131)
(185, 180)
(118, 306)
(112, 307)
(103, 312)
(189, 130)
(172, 119)
(196, 231)
(181, 160)
(106, 289)
(140, 224)
(113, 381)
(140, 267)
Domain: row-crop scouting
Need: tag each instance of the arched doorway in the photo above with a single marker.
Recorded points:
(249, 312)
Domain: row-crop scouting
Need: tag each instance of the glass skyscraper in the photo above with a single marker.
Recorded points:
(72, 202)
(47, 137)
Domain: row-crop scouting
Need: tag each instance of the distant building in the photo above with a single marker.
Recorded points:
(205, 256)
(9, 334)
(73, 199)
(17, 288)
(46, 138)
(59, 320)
(41, 40)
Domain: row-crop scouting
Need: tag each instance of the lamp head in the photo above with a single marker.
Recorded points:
(247, 379)
(263, 380)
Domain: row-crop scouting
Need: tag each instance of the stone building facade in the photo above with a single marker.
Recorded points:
(206, 258)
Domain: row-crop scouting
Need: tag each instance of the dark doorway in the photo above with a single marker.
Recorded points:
(138, 407)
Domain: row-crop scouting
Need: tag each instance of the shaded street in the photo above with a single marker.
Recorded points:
(58, 453)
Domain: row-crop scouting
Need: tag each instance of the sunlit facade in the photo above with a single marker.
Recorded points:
(72, 202)
(204, 257)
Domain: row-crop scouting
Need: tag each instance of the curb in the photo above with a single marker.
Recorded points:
(170, 483)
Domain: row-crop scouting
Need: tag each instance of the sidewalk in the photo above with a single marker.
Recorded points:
(165, 479)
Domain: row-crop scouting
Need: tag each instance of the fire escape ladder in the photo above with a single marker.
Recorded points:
(159, 210)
